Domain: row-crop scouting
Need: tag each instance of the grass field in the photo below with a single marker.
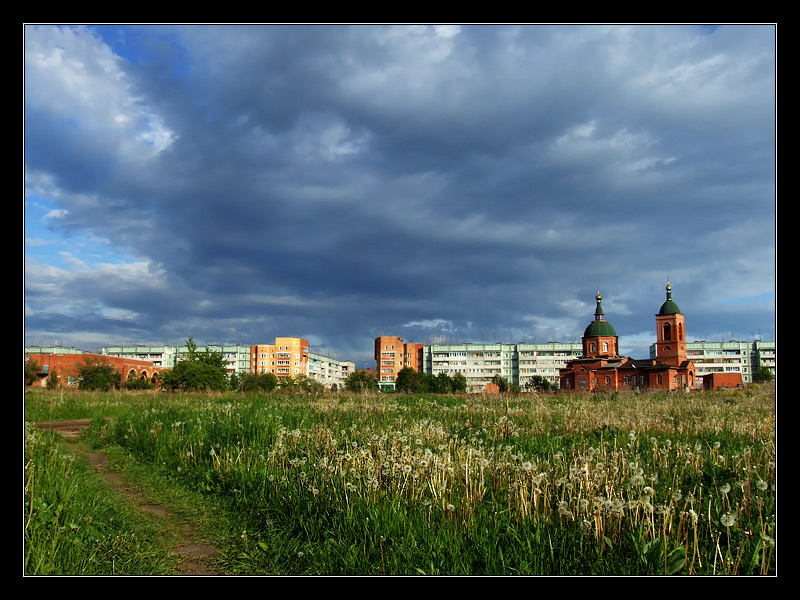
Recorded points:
(344, 484)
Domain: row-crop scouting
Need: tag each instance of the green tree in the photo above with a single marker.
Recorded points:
(200, 371)
(410, 381)
(98, 374)
(538, 384)
(764, 375)
(440, 384)
(52, 380)
(360, 381)
(32, 371)
(459, 383)
(500, 382)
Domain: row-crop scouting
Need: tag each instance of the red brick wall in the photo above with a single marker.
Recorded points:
(67, 365)
(713, 381)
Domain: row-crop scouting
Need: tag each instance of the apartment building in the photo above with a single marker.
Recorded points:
(330, 372)
(392, 355)
(237, 358)
(544, 360)
(287, 357)
(745, 358)
(516, 363)
(52, 350)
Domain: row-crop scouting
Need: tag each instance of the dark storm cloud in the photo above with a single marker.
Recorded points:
(343, 182)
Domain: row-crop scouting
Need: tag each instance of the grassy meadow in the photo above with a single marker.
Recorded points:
(391, 484)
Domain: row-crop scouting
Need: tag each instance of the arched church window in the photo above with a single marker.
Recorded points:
(667, 332)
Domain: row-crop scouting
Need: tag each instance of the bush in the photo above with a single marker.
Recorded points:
(360, 381)
(137, 384)
(32, 371)
(97, 374)
(254, 382)
(201, 371)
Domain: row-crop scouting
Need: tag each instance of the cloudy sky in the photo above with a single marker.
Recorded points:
(445, 184)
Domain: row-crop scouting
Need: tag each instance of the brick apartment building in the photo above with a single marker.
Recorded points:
(287, 357)
(392, 355)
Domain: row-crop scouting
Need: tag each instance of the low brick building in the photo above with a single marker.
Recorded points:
(715, 381)
(67, 367)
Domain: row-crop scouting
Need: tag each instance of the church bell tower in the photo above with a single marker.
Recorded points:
(671, 332)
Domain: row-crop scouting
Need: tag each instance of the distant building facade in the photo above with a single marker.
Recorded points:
(392, 355)
(518, 364)
(237, 358)
(330, 372)
(52, 350)
(602, 368)
(287, 357)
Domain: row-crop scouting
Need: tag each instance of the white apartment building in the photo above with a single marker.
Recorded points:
(330, 372)
(517, 363)
(326, 370)
(746, 358)
(237, 358)
(52, 350)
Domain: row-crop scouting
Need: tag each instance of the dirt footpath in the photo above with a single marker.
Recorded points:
(194, 555)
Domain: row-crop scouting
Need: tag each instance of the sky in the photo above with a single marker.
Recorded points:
(442, 183)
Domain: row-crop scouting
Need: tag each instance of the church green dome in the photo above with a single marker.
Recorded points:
(669, 307)
(599, 327)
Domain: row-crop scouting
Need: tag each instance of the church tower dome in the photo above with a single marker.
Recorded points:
(600, 338)
(669, 307)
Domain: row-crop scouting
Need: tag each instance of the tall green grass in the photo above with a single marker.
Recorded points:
(545, 484)
(74, 526)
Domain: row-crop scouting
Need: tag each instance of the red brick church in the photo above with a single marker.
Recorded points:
(602, 368)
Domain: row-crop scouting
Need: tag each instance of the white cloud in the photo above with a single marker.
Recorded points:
(56, 214)
(73, 77)
(38, 242)
(444, 324)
